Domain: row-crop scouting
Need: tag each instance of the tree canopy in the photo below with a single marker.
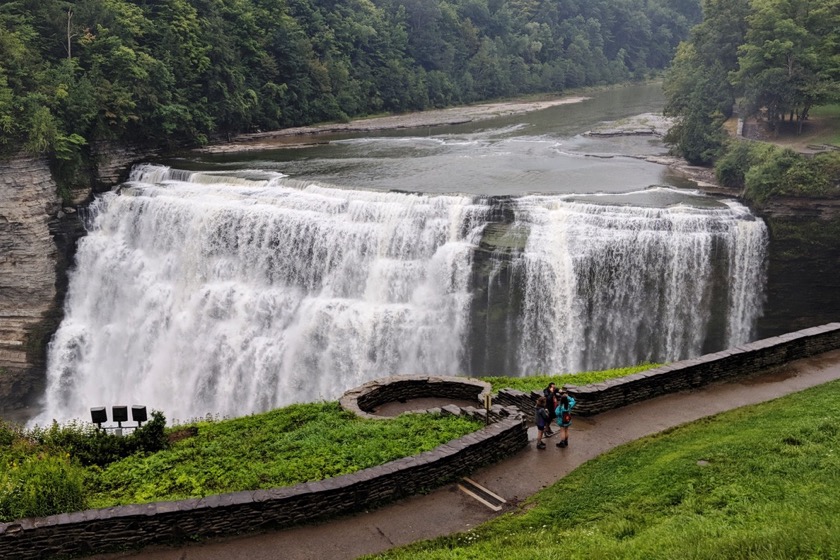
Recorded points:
(180, 71)
(777, 58)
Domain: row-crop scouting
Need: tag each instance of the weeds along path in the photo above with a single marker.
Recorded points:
(449, 510)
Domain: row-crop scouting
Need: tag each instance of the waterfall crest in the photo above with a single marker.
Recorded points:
(199, 293)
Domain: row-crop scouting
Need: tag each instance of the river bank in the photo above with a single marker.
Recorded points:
(307, 135)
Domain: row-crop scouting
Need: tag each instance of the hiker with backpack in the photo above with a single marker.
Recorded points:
(564, 417)
(541, 419)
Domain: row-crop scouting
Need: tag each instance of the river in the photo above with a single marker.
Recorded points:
(229, 284)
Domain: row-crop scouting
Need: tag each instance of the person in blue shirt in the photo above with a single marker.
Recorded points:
(564, 417)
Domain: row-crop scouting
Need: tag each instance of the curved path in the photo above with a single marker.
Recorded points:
(448, 510)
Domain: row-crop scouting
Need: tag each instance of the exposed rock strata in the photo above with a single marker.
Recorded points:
(113, 162)
(37, 244)
(28, 256)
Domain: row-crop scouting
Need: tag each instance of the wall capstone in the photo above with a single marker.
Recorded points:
(363, 400)
(733, 363)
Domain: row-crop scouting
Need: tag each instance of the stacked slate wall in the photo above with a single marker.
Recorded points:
(734, 363)
(135, 526)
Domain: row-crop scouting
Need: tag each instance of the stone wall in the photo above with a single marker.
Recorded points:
(28, 201)
(126, 527)
(363, 400)
(734, 363)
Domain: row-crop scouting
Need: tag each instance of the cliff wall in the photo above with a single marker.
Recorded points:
(28, 256)
(38, 234)
(803, 270)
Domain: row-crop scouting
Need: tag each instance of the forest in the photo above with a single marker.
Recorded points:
(773, 61)
(182, 72)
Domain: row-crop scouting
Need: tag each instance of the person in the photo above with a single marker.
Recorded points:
(564, 417)
(541, 420)
(551, 397)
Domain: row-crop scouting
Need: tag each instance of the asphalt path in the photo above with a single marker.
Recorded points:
(449, 510)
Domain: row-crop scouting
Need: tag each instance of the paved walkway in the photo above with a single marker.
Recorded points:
(449, 510)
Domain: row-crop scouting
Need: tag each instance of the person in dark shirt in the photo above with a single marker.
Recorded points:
(552, 397)
(541, 420)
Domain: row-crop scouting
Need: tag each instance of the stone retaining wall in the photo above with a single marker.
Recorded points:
(135, 526)
(363, 400)
(734, 363)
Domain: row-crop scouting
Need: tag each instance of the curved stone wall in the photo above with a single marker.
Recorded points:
(135, 526)
(363, 400)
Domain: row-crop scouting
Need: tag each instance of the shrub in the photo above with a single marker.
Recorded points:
(765, 170)
(732, 167)
(765, 177)
(816, 176)
(8, 434)
(41, 485)
(91, 446)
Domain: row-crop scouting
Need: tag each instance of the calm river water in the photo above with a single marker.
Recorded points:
(539, 152)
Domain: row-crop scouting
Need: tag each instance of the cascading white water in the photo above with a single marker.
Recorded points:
(238, 296)
(198, 293)
(611, 285)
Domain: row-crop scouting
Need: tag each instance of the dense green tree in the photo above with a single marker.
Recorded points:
(171, 72)
(777, 57)
(784, 69)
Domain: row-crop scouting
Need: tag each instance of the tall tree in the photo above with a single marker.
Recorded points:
(783, 65)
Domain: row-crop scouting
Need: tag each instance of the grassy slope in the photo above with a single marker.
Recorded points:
(758, 482)
(286, 446)
(822, 127)
(539, 382)
(283, 447)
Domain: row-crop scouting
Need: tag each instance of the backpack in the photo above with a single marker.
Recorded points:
(564, 416)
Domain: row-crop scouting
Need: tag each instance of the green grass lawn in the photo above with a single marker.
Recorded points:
(829, 115)
(298, 443)
(540, 382)
(761, 482)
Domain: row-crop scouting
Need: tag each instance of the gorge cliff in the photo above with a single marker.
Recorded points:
(38, 233)
(28, 259)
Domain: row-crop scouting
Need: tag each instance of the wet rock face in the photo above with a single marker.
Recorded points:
(803, 266)
(38, 238)
(28, 201)
(113, 162)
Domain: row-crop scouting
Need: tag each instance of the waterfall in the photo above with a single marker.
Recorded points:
(231, 293)
(194, 295)
(611, 285)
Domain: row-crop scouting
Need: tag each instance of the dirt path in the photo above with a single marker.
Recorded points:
(449, 510)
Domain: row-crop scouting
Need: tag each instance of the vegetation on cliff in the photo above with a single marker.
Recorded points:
(764, 170)
(776, 58)
(773, 60)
